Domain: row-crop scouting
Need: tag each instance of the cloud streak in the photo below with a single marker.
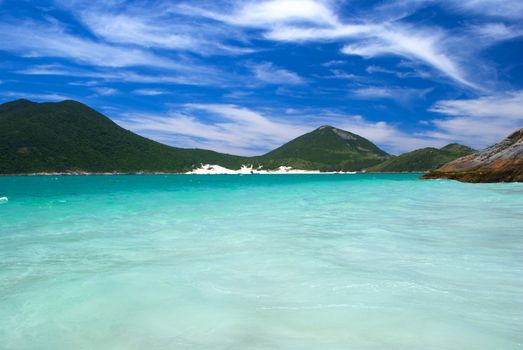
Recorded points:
(266, 72)
(285, 21)
(238, 130)
(33, 39)
(482, 121)
(234, 129)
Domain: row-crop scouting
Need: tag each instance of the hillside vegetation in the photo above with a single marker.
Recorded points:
(69, 136)
(327, 149)
(424, 159)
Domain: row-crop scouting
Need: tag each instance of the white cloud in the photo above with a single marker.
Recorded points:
(401, 95)
(508, 105)
(269, 12)
(332, 63)
(266, 72)
(190, 75)
(495, 31)
(334, 32)
(32, 39)
(427, 46)
(157, 29)
(128, 35)
(34, 96)
(341, 74)
(302, 21)
(511, 9)
(383, 32)
(239, 130)
(122, 28)
(105, 91)
(150, 92)
(82, 83)
(238, 94)
(479, 122)
(416, 73)
(234, 129)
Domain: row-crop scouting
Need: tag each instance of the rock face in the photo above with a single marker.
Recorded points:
(502, 162)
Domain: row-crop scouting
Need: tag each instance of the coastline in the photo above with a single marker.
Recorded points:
(207, 169)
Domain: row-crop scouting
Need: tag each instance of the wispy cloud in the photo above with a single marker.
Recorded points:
(401, 95)
(493, 8)
(341, 74)
(496, 31)
(333, 63)
(231, 129)
(266, 72)
(150, 92)
(190, 75)
(239, 130)
(447, 52)
(34, 96)
(267, 13)
(80, 83)
(480, 122)
(105, 91)
(138, 26)
(35, 39)
(372, 69)
(508, 105)
(424, 45)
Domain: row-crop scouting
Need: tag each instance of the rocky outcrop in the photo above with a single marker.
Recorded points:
(502, 162)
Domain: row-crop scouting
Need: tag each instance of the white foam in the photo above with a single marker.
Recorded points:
(4, 200)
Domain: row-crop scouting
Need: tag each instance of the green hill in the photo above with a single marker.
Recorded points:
(69, 136)
(424, 159)
(327, 149)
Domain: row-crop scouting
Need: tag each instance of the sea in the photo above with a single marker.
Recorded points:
(364, 261)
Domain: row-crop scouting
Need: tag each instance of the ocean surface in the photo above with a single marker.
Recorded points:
(260, 262)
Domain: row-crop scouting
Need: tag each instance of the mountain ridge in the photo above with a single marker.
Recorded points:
(71, 137)
(423, 159)
(328, 149)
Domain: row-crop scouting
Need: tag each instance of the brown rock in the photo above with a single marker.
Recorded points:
(502, 162)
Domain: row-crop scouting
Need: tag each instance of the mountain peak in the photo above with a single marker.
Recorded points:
(329, 148)
(70, 136)
(345, 135)
(22, 102)
(455, 146)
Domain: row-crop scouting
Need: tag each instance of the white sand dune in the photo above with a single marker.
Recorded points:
(208, 169)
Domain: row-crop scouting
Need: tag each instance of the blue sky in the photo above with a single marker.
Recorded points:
(246, 76)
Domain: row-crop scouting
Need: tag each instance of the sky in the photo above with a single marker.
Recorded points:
(244, 77)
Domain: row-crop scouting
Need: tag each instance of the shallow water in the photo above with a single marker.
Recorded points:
(260, 262)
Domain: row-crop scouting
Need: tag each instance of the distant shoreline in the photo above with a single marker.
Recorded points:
(176, 173)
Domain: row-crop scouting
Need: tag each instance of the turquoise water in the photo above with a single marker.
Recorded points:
(260, 262)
